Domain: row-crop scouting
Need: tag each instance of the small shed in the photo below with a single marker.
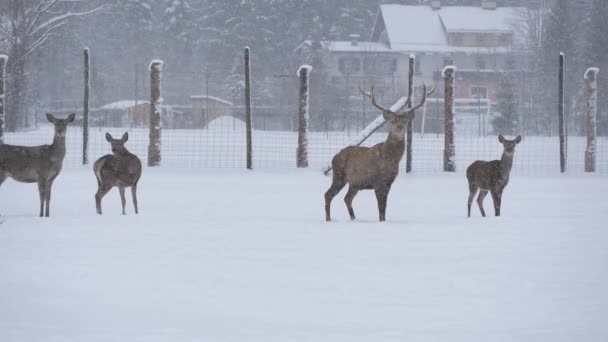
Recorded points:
(125, 113)
(207, 108)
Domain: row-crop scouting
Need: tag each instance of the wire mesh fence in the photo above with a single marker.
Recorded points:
(221, 144)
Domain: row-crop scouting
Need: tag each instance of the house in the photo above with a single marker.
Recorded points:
(207, 108)
(478, 40)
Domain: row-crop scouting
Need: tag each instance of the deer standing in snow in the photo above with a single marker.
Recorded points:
(121, 169)
(492, 176)
(37, 164)
(376, 167)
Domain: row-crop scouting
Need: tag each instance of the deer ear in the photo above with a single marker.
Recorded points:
(109, 137)
(518, 139)
(51, 118)
(125, 137)
(501, 139)
(71, 117)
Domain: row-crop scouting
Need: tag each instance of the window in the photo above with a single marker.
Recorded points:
(380, 66)
(480, 64)
(510, 64)
(349, 65)
(479, 92)
(480, 39)
(505, 39)
(457, 39)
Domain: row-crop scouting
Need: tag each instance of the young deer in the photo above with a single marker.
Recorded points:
(121, 169)
(376, 167)
(37, 164)
(492, 176)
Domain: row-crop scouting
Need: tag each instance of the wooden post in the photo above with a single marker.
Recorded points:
(3, 59)
(410, 95)
(302, 151)
(85, 109)
(449, 151)
(155, 121)
(560, 114)
(590, 120)
(248, 109)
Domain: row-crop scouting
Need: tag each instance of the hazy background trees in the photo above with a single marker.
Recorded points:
(202, 44)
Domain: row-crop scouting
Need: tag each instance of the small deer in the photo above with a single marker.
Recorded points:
(121, 169)
(37, 164)
(376, 167)
(492, 176)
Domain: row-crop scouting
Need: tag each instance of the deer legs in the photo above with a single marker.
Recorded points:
(101, 191)
(497, 198)
(348, 199)
(134, 194)
(482, 195)
(123, 201)
(381, 196)
(44, 190)
(329, 196)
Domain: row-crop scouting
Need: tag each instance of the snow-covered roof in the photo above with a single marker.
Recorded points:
(122, 105)
(477, 19)
(217, 99)
(422, 29)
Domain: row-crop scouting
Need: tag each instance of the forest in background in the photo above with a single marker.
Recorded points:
(201, 42)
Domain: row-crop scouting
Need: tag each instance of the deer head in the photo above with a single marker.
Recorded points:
(118, 145)
(61, 125)
(509, 145)
(398, 120)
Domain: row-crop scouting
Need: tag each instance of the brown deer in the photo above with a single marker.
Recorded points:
(121, 169)
(37, 164)
(376, 167)
(492, 176)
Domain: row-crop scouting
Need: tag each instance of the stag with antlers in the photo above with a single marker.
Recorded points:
(376, 167)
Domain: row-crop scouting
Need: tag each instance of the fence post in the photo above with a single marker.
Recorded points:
(449, 150)
(560, 113)
(155, 122)
(590, 120)
(302, 151)
(248, 108)
(3, 59)
(85, 110)
(410, 95)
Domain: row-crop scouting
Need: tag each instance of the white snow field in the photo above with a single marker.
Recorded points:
(231, 255)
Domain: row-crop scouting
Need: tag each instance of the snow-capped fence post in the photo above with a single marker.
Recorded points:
(85, 110)
(449, 151)
(410, 95)
(560, 113)
(248, 109)
(302, 151)
(155, 121)
(3, 59)
(590, 120)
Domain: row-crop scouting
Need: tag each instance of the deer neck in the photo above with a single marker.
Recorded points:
(394, 146)
(506, 163)
(122, 153)
(59, 143)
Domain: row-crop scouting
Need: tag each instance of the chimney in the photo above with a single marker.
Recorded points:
(436, 5)
(354, 39)
(488, 4)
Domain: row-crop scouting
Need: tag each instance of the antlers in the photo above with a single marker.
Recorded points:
(370, 94)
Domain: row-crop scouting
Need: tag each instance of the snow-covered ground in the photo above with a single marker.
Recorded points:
(230, 255)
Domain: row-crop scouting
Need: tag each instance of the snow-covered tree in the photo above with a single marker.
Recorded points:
(28, 25)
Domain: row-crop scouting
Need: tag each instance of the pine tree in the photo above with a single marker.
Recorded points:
(505, 117)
